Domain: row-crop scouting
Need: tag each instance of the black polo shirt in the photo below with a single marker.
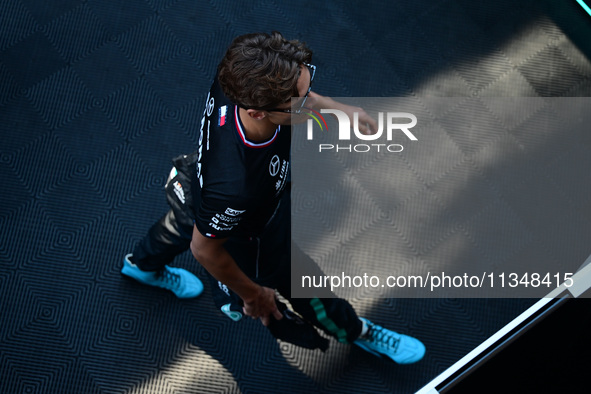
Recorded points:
(238, 182)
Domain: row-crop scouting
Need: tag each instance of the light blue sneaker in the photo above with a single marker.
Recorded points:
(180, 281)
(379, 341)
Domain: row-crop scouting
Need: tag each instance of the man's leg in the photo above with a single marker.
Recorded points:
(335, 316)
(166, 239)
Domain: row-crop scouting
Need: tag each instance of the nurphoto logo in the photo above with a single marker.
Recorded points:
(395, 122)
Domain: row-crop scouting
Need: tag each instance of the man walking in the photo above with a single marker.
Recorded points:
(230, 204)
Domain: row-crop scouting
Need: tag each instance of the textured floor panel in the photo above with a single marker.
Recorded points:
(96, 97)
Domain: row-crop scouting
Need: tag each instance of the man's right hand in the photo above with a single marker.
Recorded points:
(259, 301)
(263, 306)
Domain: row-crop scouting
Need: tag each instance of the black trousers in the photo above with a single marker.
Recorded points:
(266, 259)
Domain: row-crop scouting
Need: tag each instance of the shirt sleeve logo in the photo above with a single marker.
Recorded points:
(234, 212)
(227, 221)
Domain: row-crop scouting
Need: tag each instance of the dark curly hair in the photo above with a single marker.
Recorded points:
(261, 70)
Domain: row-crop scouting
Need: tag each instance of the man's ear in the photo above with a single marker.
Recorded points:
(256, 114)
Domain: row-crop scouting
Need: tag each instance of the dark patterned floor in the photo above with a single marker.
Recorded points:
(96, 97)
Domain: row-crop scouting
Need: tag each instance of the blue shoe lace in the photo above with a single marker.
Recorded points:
(381, 336)
(169, 278)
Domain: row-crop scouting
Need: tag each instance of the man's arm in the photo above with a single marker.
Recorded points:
(259, 301)
(367, 124)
